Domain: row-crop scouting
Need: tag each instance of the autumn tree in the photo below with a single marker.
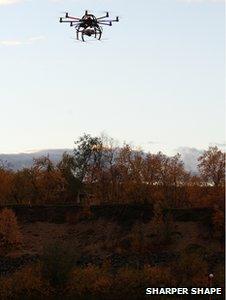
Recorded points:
(212, 166)
(25, 188)
(50, 182)
(6, 177)
(10, 235)
(87, 154)
(104, 175)
(67, 166)
(168, 174)
(212, 173)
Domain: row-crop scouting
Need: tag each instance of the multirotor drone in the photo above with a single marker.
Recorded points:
(88, 25)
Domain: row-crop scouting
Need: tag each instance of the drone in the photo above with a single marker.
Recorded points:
(88, 25)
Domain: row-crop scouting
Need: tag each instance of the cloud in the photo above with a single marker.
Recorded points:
(10, 43)
(8, 2)
(13, 43)
(35, 39)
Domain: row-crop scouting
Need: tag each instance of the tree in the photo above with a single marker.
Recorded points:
(87, 154)
(6, 177)
(67, 167)
(50, 182)
(172, 177)
(25, 187)
(212, 166)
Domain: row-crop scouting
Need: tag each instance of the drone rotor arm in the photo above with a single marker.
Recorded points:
(104, 17)
(68, 21)
(105, 23)
(115, 20)
(73, 18)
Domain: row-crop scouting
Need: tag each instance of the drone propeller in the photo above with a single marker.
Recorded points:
(106, 12)
(107, 22)
(65, 13)
(105, 16)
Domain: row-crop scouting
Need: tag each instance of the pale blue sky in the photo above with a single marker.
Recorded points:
(156, 80)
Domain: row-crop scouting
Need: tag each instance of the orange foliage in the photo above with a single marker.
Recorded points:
(6, 178)
(26, 283)
(110, 174)
(10, 235)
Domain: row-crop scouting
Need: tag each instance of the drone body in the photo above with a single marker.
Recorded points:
(88, 25)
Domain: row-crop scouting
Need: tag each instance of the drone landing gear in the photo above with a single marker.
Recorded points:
(95, 32)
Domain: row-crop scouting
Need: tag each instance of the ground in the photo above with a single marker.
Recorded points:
(95, 241)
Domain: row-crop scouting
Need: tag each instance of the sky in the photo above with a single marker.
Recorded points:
(156, 80)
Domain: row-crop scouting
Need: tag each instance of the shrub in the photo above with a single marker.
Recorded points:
(134, 281)
(219, 224)
(10, 235)
(58, 261)
(158, 276)
(137, 238)
(93, 282)
(154, 236)
(161, 227)
(219, 275)
(26, 283)
(195, 249)
(129, 281)
(193, 270)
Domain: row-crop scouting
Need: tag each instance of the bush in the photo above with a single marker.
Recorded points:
(10, 235)
(158, 276)
(192, 268)
(58, 261)
(219, 224)
(162, 227)
(154, 236)
(99, 282)
(134, 281)
(219, 275)
(90, 282)
(26, 283)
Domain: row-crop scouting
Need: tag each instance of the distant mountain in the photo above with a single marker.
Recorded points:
(24, 160)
